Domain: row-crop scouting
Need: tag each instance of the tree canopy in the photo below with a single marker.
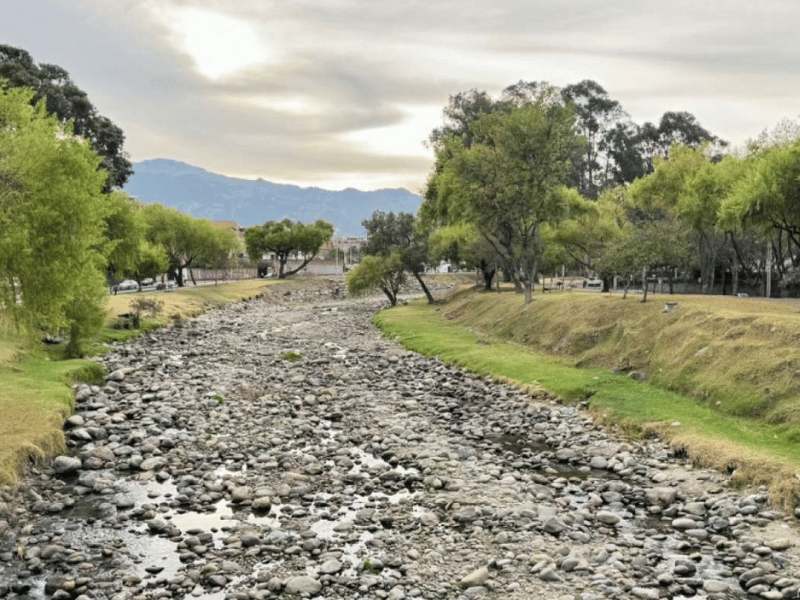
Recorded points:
(67, 102)
(52, 213)
(286, 238)
(401, 233)
(509, 180)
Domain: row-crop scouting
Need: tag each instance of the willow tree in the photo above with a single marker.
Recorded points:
(52, 213)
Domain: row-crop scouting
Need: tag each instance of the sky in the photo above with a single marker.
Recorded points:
(343, 93)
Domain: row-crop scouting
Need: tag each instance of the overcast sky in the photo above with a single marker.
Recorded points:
(342, 93)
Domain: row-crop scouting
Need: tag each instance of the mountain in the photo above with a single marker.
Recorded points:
(200, 193)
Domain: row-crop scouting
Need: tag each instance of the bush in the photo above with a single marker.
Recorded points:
(145, 305)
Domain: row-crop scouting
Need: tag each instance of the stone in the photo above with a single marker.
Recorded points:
(66, 464)
(607, 518)
(154, 463)
(303, 584)
(661, 496)
(331, 566)
(476, 578)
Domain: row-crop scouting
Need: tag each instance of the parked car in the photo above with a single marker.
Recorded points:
(148, 281)
(594, 284)
(128, 284)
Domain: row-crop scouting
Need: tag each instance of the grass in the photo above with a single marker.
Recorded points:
(568, 343)
(35, 398)
(35, 392)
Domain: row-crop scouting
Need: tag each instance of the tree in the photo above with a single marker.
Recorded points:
(461, 111)
(463, 245)
(185, 240)
(510, 182)
(766, 200)
(387, 232)
(386, 273)
(67, 102)
(286, 238)
(644, 249)
(590, 228)
(597, 117)
(52, 216)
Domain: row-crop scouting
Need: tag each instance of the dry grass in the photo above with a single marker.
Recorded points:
(740, 354)
(192, 301)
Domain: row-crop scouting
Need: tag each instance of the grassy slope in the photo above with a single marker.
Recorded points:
(35, 394)
(736, 422)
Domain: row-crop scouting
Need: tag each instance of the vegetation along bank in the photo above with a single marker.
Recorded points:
(717, 376)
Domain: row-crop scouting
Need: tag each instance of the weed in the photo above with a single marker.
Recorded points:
(292, 356)
(220, 400)
(91, 372)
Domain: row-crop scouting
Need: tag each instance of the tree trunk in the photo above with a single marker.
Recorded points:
(488, 274)
(627, 287)
(424, 288)
(644, 285)
(392, 297)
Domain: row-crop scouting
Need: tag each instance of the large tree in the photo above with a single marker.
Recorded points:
(52, 213)
(287, 238)
(68, 102)
(509, 181)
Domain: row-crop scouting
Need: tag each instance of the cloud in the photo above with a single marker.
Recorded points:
(346, 90)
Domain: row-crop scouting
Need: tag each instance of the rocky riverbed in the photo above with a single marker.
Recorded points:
(286, 449)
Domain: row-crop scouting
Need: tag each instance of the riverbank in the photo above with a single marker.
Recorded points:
(35, 385)
(717, 376)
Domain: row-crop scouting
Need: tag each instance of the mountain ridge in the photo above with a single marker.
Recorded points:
(204, 194)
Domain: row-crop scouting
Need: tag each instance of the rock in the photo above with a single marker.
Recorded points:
(607, 518)
(661, 496)
(241, 493)
(779, 544)
(66, 464)
(553, 525)
(331, 566)
(476, 578)
(303, 584)
(154, 463)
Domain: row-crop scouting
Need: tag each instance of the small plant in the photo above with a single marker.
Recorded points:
(144, 306)
(292, 356)
(220, 400)
(92, 373)
(177, 320)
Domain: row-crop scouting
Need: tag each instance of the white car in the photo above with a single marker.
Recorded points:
(128, 284)
(594, 284)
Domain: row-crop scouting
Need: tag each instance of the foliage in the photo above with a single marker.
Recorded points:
(185, 240)
(606, 331)
(52, 216)
(387, 233)
(144, 305)
(286, 238)
(68, 103)
(128, 252)
(508, 182)
(386, 273)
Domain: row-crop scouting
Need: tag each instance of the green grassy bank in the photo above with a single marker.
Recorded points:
(721, 373)
(35, 392)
